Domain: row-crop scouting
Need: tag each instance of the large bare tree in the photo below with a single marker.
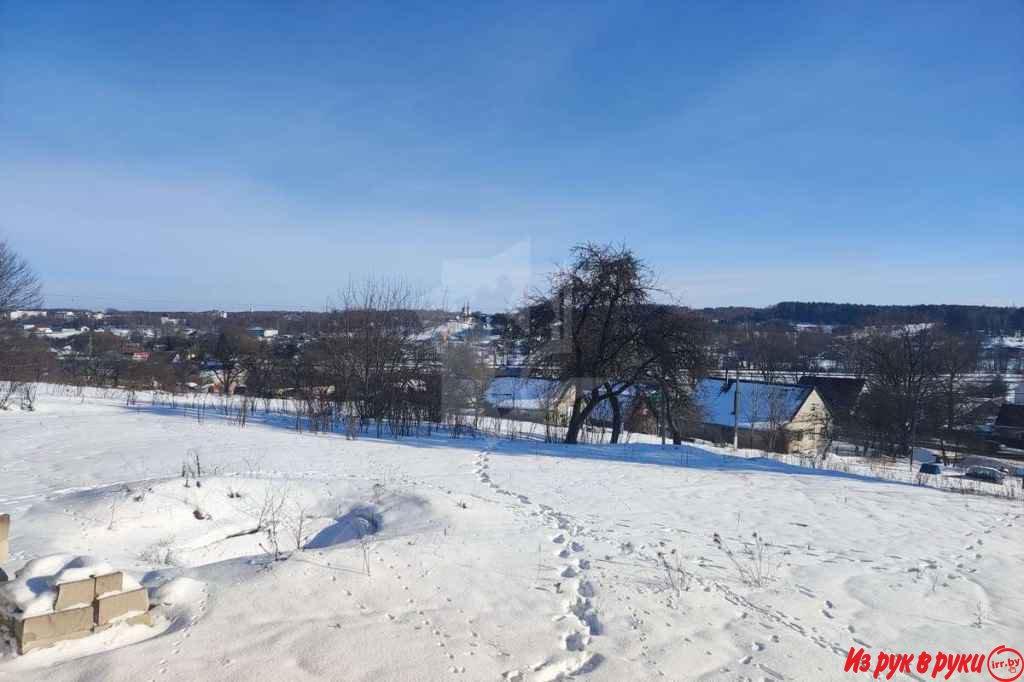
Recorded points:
(678, 342)
(19, 286)
(378, 360)
(949, 413)
(901, 367)
(596, 332)
(21, 360)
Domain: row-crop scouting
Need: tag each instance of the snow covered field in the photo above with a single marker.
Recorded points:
(482, 559)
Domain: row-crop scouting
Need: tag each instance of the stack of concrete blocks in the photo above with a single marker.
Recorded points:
(81, 608)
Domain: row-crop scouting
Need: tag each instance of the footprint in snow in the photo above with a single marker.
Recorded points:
(576, 641)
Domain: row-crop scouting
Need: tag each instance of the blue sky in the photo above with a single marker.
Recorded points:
(176, 155)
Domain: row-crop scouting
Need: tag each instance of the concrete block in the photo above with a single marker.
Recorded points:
(138, 619)
(111, 582)
(75, 593)
(117, 605)
(5, 534)
(42, 631)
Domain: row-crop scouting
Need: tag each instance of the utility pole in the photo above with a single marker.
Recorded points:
(664, 415)
(736, 412)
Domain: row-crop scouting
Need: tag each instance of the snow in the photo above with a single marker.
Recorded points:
(522, 393)
(758, 401)
(480, 559)
(34, 588)
(1005, 341)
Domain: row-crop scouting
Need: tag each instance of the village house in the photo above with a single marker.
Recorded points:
(777, 417)
(1009, 424)
(840, 394)
(25, 314)
(530, 399)
(261, 332)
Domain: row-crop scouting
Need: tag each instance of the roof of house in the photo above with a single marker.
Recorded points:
(523, 393)
(628, 402)
(1010, 416)
(838, 393)
(759, 402)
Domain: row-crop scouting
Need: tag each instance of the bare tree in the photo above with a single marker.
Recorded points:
(769, 413)
(465, 378)
(379, 365)
(19, 286)
(597, 329)
(230, 351)
(772, 353)
(950, 411)
(901, 369)
(678, 343)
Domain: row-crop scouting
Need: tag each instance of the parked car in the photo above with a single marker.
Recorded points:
(930, 468)
(987, 474)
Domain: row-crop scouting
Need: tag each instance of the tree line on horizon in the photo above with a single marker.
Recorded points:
(595, 327)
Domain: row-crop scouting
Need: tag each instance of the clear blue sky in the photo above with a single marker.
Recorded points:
(179, 155)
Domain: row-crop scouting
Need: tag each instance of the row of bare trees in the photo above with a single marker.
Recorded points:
(920, 386)
(373, 366)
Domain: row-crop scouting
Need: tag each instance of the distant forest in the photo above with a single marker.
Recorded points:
(965, 318)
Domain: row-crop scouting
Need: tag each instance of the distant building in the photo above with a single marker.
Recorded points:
(840, 394)
(24, 314)
(530, 398)
(1010, 423)
(781, 417)
(1016, 394)
(261, 333)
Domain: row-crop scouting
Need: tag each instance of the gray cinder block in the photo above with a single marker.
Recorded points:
(111, 582)
(5, 533)
(75, 593)
(42, 631)
(118, 605)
